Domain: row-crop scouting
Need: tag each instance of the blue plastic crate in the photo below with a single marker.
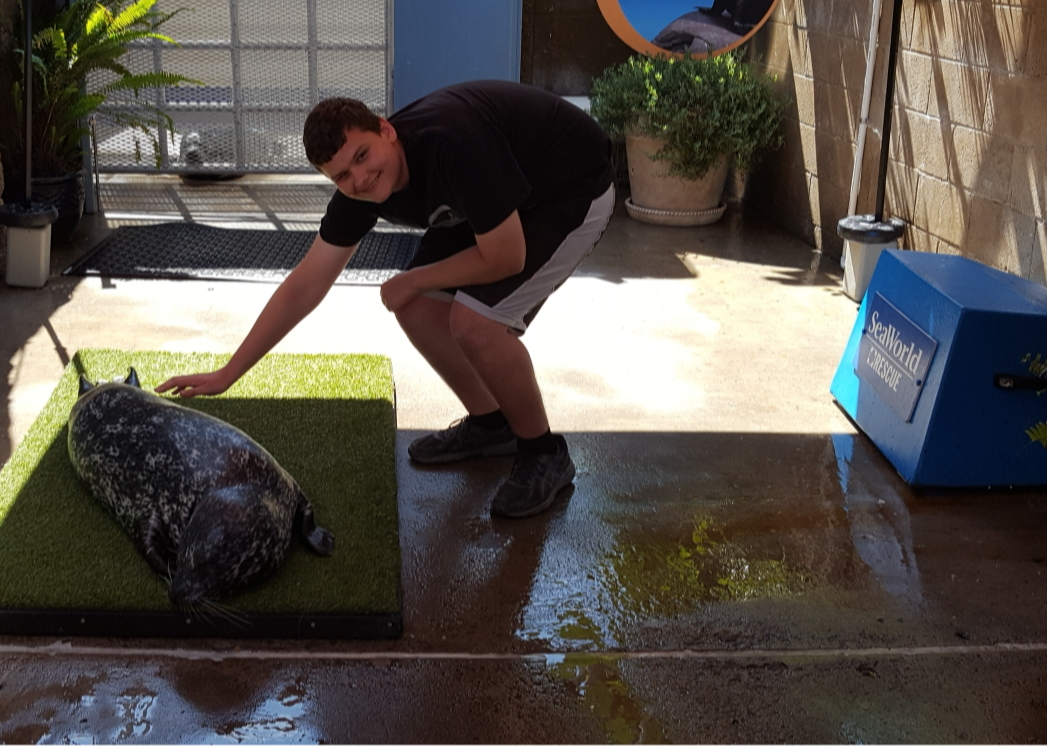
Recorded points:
(926, 370)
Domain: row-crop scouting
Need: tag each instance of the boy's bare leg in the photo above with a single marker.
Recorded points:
(426, 322)
(486, 366)
(504, 365)
(480, 358)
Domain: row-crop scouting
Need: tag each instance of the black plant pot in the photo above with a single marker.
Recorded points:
(66, 193)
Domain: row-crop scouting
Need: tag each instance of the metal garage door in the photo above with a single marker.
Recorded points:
(265, 63)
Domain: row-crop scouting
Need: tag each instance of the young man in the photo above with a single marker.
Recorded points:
(514, 188)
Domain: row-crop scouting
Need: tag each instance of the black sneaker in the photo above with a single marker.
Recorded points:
(463, 439)
(534, 482)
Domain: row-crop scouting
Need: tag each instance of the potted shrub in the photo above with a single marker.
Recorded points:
(76, 62)
(686, 122)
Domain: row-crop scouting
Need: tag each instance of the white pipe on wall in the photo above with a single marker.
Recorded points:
(863, 122)
(863, 119)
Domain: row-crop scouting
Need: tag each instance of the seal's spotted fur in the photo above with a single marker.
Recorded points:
(207, 506)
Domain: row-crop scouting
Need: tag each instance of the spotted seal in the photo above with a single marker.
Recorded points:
(207, 506)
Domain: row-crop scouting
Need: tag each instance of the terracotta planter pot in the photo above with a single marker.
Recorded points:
(668, 200)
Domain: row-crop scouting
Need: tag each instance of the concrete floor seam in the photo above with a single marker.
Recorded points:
(65, 649)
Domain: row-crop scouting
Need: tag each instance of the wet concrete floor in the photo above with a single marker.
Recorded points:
(734, 563)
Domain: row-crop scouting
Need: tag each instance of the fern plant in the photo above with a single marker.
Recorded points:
(703, 108)
(77, 65)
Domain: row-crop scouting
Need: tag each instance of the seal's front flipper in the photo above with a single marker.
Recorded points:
(316, 537)
(160, 567)
(155, 546)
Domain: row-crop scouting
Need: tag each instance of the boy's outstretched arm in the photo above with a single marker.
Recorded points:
(294, 299)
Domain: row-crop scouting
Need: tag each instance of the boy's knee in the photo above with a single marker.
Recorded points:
(405, 317)
(470, 329)
(415, 314)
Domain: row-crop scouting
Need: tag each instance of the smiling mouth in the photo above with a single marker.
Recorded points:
(373, 183)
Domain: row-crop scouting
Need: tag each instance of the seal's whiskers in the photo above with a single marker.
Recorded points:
(195, 611)
(208, 609)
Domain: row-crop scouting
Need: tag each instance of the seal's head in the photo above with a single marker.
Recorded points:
(89, 392)
(131, 380)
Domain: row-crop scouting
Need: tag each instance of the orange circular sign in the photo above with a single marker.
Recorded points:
(679, 26)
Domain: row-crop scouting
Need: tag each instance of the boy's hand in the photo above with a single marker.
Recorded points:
(194, 384)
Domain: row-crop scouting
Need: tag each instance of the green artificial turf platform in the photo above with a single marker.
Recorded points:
(66, 567)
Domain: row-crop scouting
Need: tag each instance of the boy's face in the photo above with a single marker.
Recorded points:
(369, 166)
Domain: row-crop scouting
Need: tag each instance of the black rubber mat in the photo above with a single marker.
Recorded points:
(193, 251)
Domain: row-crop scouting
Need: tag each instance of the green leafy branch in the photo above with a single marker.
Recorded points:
(84, 46)
(1037, 367)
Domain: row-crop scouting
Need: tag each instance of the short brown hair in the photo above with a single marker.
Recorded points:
(326, 125)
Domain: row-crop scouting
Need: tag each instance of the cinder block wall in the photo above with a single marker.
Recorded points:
(968, 152)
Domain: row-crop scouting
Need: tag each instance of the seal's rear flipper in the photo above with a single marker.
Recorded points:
(316, 537)
(85, 386)
(321, 541)
(132, 378)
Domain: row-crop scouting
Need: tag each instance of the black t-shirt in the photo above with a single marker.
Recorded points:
(477, 152)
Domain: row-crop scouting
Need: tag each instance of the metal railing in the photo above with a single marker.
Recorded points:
(264, 65)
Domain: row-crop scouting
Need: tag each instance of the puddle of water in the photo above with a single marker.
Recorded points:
(136, 706)
(567, 606)
(590, 599)
(851, 733)
(134, 710)
(571, 621)
(577, 626)
(568, 609)
(881, 529)
(274, 721)
(604, 693)
(663, 579)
